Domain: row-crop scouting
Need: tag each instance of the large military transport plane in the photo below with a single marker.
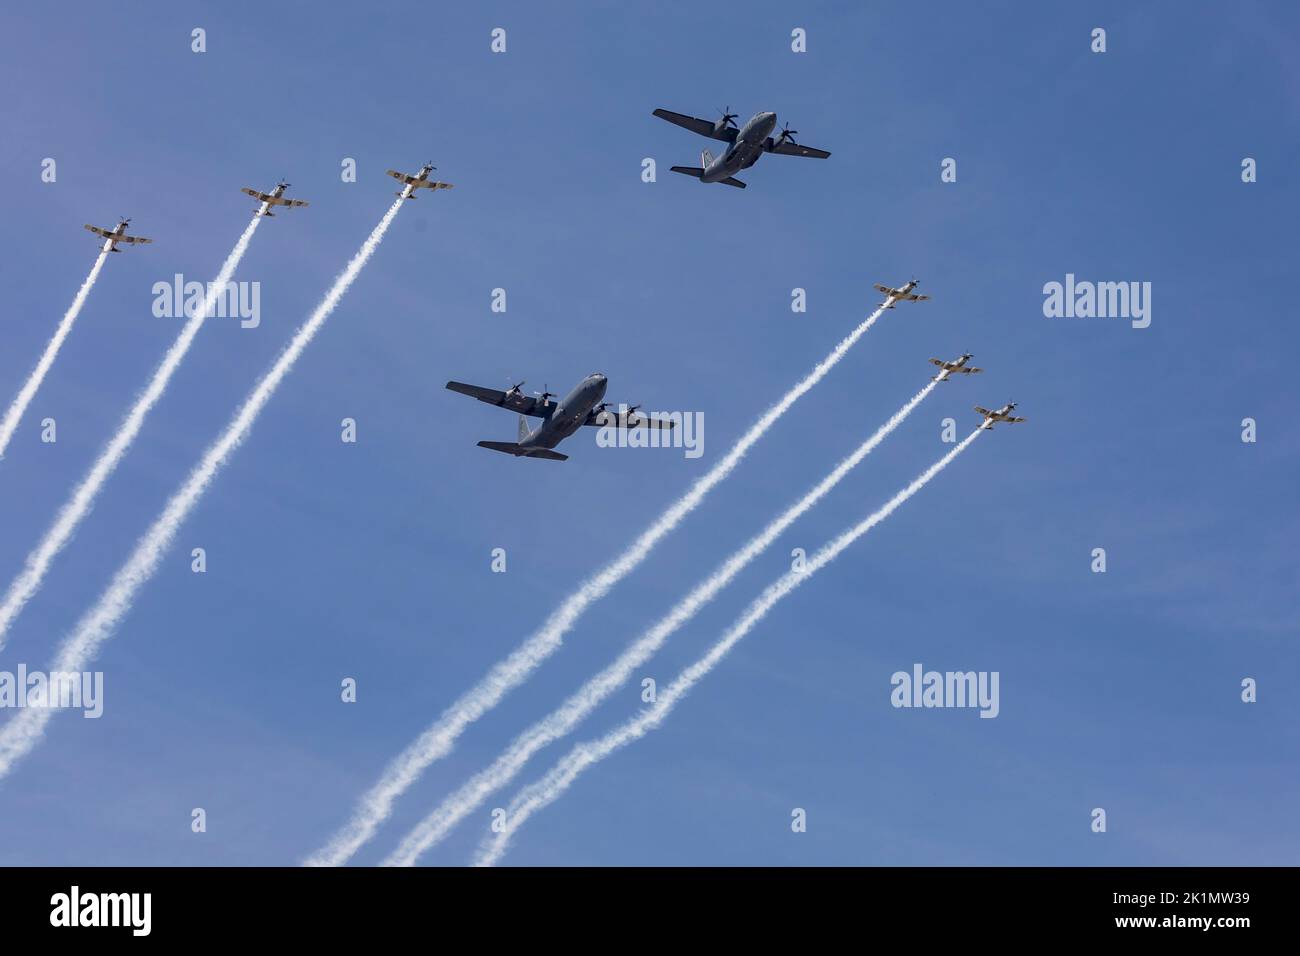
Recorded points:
(744, 144)
(957, 366)
(274, 198)
(420, 180)
(582, 406)
(1002, 414)
(115, 235)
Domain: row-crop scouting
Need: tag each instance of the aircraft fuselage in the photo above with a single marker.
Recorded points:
(567, 415)
(744, 152)
(110, 244)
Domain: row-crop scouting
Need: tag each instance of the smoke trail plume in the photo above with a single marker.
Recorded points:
(376, 805)
(28, 582)
(573, 711)
(21, 733)
(549, 789)
(25, 394)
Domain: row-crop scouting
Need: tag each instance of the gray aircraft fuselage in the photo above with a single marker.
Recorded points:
(744, 152)
(568, 415)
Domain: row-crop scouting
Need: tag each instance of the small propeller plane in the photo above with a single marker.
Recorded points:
(957, 366)
(1002, 414)
(582, 406)
(115, 235)
(905, 294)
(745, 145)
(274, 198)
(419, 181)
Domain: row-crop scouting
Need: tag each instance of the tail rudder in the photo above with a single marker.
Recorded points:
(524, 427)
(706, 158)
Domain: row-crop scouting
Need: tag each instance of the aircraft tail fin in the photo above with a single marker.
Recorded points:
(688, 171)
(706, 158)
(524, 427)
(510, 448)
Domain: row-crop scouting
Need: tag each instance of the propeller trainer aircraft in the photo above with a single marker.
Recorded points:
(957, 366)
(905, 294)
(745, 145)
(419, 181)
(1002, 414)
(582, 406)
(274, 198)
(115, 235)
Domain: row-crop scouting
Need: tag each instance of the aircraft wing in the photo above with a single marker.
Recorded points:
(288, 202)
(937, 362)
(913, 298)
(131, 239)
(634, 420)
(99, 232)
(517, 401)
(696, 125)
(1012, 421)
(887, 290)
(402, 176)
(967, 370)
(256, 195)
(983, 411)
(788, 148)
(430, 184)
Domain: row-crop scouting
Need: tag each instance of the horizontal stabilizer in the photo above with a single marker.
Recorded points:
(695, 171)
(510, 448)
(733, 181)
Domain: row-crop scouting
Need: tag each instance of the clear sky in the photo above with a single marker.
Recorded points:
(372, 560)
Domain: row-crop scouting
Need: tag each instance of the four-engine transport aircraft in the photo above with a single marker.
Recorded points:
(744, 145)
(419, 181)
(115, 235)
(582, 406)
(905, 294)
(1002, 414)
(957, 366)
(274, 198)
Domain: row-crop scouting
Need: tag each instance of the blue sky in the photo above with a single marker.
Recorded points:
(326, 560)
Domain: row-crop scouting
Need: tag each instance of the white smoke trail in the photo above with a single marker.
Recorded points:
(573, 711)
(28, 391)
(436, 741)
(550, 787)
(21, 733)
(28, 582)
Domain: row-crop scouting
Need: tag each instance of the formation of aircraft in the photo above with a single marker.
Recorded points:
(419, 181)
(905, 294)
(559, 420)
(584, 405)
(274, 198)
(1002, 414)
(957, 366)
(115, 235)
(745, 144)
